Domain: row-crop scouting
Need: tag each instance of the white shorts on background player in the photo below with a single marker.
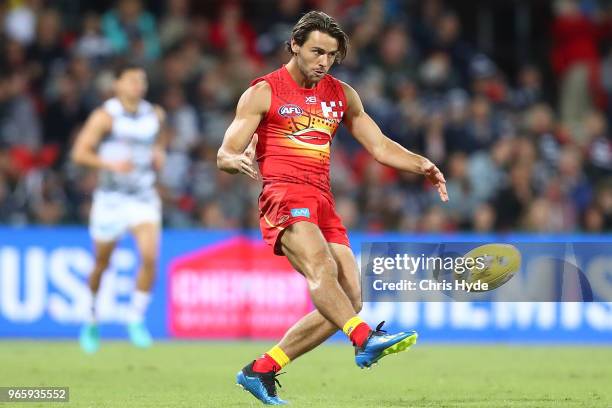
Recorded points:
(113, 214)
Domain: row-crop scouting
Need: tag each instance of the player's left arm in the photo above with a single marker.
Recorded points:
(163, 138)
(385, 150)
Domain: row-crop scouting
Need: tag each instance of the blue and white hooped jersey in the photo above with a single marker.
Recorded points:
(132, 138)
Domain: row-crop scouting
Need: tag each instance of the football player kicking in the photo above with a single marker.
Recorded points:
(286, 121)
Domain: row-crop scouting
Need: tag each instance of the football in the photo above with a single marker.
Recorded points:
(498, 264)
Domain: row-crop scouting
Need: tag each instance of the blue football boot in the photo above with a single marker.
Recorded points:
(89, 339)
(139, 335)
(261, 385)
(380, 344)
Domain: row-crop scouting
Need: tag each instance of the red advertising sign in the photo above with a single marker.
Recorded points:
(236, 289)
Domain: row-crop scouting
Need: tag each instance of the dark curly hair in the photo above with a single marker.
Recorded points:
(319, 21)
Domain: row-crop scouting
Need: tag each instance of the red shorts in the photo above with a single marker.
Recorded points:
(283, 204)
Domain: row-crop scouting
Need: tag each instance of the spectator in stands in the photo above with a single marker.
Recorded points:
(92, 44)
(528, 90)
(598, 147)
(575, 60)
(174, 25)
(131, 30)
(483, 219)
(541, 129)
(19, 121)
(20, 21)
(47, 54)
(512, 201)
(62, 116)
(232, 30)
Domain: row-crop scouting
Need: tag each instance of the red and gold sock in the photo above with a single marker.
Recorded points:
(357, 330)
(273, 360)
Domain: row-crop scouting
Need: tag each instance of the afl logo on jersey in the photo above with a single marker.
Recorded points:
(290, 111)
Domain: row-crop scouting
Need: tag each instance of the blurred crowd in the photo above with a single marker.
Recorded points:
(514, 159)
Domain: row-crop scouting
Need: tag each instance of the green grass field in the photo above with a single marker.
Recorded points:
(201, 374)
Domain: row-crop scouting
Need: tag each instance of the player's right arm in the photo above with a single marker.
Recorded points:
(84, 153)
(385, 150)
(237, 152)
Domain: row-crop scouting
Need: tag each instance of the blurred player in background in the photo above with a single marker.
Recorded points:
(122, 139)
(287, 120)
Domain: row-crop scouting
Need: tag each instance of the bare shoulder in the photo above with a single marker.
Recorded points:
(352, 97)
(349, 91)
(101, 118)
(261, 91)
(256, 98)
(261, 86)
(98, 124)
(160, 112)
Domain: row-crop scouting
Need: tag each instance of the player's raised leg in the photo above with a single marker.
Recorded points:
(147, 241)
(313, 329)
(89, 338)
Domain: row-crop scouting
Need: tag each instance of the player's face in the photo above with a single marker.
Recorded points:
(132, 84)
(316, 56)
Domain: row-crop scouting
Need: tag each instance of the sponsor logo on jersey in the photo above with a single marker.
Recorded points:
(290, 111)
(332, 109)
(300, 212)
(311, 100)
